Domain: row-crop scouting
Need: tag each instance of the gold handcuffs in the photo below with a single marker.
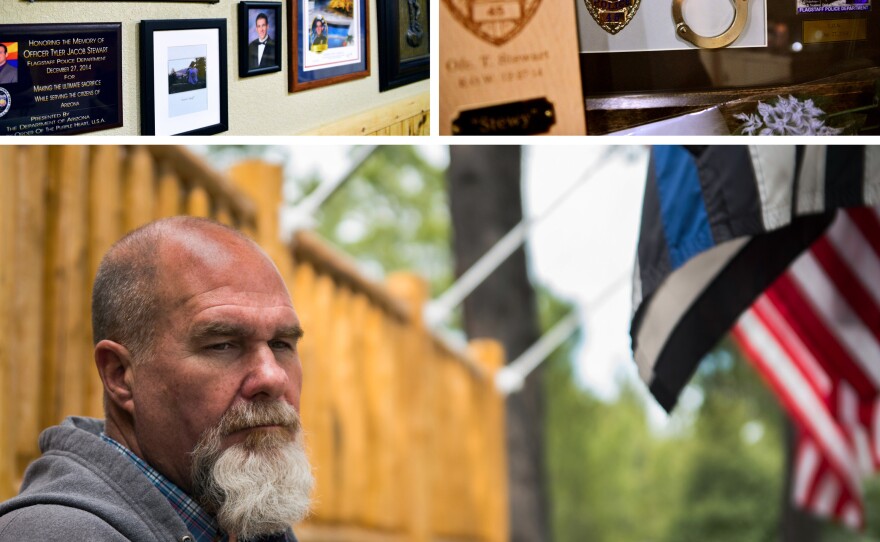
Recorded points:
(715, 42)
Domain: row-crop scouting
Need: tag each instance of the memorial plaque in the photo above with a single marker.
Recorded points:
(509, 67)
(826, 31)
(60, 79)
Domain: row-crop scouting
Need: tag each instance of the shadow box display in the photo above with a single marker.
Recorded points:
(404, 42)
(755, 67)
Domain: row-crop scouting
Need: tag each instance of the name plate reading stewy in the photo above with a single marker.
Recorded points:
(529, 117)
(59, 79)
(509, 67)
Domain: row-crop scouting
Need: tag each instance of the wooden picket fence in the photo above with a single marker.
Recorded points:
(406, 434)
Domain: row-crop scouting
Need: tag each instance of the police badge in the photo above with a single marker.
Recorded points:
(5, 101)
(612, 15)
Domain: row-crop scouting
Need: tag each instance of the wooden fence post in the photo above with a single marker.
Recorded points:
(416, 404)
(105, 227)
(261, 182)
(66, 333)
(139, 194)
(7, 257)
(495, 520)
(27, 328)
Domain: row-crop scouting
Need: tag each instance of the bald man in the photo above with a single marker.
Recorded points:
(196, 346)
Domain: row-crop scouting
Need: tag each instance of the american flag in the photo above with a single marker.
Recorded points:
(815, 337)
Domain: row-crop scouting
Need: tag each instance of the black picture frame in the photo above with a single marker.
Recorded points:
(165, 47)
(404, 42)
(307, 69)
(247, 36)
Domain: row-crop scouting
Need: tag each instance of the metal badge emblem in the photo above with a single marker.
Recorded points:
(495, 21)
(612, 15)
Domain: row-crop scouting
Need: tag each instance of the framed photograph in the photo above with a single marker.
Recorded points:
(404, 42)
(183, 76)
(259, 38)
(329, 42)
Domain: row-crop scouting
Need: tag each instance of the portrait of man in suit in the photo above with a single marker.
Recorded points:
(8, 72)
(261, 51)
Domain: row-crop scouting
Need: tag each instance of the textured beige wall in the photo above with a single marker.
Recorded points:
(258, 105)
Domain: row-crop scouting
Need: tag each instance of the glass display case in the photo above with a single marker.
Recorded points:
(824, 51)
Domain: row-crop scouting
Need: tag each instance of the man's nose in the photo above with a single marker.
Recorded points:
(266, 376)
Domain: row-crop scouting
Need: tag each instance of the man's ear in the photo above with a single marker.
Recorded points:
(116, 367)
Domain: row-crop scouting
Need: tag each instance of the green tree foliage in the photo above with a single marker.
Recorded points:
(733, 488)
(393, 215)
(611, 478)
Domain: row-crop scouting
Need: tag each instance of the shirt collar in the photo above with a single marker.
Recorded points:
(200, 524)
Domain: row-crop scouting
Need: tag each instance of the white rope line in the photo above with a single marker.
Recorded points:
(438, 310)
(511, 378)
(303, 213)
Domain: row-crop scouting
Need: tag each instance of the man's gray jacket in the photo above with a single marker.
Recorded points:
(83, 489)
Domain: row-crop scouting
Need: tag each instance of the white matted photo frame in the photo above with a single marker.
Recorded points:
(259, 38)
(183, 73)
(329, 42)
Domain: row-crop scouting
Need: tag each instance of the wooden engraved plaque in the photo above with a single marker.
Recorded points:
(509, 67)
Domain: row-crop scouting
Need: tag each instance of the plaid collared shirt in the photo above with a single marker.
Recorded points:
(201, 525)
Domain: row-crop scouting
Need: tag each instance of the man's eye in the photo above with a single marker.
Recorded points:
(280, 345)
(220, 347)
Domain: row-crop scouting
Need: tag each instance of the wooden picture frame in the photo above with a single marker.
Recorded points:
(404, 42)
(252, 16)
(183, 77)
(329, 42)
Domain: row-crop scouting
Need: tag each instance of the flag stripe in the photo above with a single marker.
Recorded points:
(869, 224)
(853, 243)
(775, 323)
(790, 384)
(811, 182)
(774, 171)
(786, 295)
(685, 220)
(807, 461)
(848, 285)
(847, 164)
(825, 298)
